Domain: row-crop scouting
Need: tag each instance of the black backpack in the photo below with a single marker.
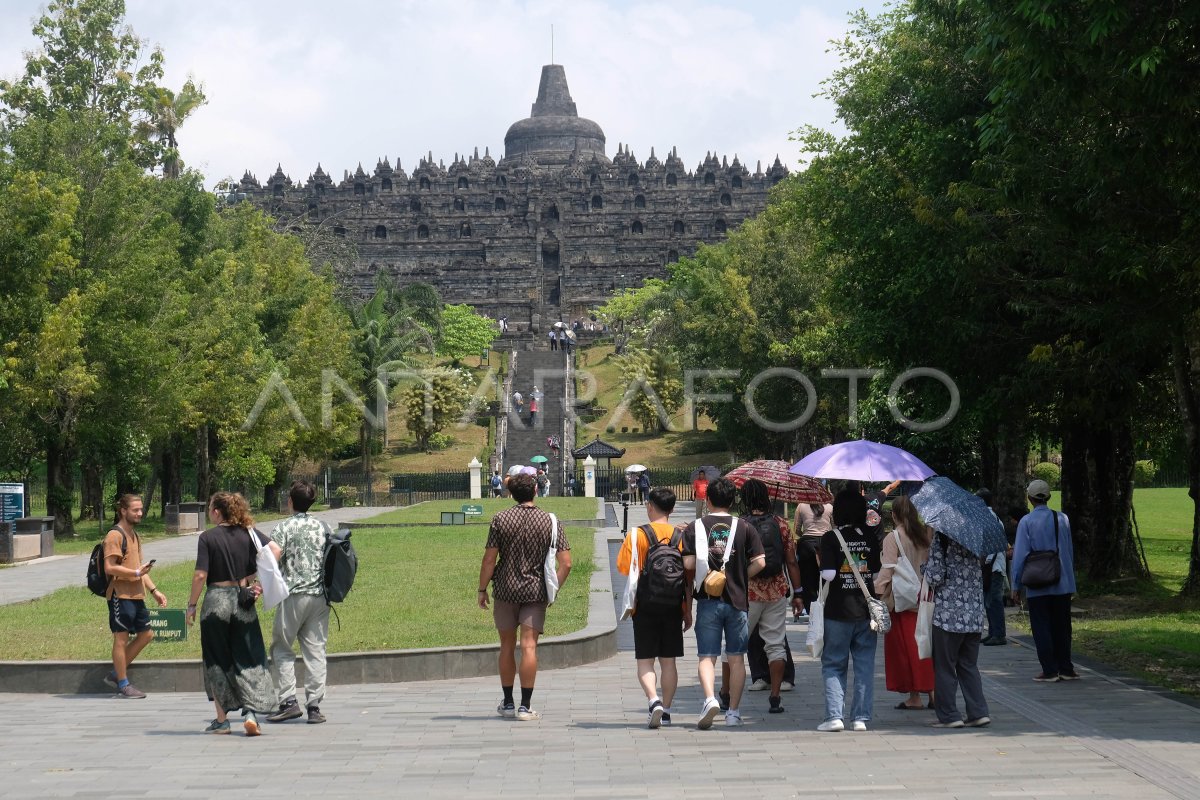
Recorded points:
(662, 581)
(772, 542)
(341, 565)
(97, 575)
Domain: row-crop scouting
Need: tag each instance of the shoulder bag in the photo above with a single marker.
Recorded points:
(550, 568)
(881, 620)
(923, 633)
(274, 587)
(714, 582)
(629, 599)
(905, 583)
(1043, 568)
(816, 622)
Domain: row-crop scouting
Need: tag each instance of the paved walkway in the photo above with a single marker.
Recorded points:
(33, 579)
(1100, 737)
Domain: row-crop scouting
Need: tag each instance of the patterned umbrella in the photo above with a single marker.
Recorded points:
(783, 485)
(862, 460)
(947, 507)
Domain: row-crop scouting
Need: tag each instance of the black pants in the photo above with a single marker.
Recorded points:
(955, 666)
(810, 571)
(1050, 620)
(760, 667)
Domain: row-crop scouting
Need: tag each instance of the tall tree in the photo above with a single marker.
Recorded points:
(166, 111)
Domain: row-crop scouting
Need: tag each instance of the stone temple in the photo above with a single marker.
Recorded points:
(549, 232)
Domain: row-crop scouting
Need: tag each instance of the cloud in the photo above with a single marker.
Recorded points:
(303, 82)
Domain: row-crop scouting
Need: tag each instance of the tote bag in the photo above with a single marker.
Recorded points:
(816, 622)
(274, 587)
(924, 628)
(905, 583)
(550, 567)
(629, 599)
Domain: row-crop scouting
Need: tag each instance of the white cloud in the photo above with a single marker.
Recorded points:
(302, 81)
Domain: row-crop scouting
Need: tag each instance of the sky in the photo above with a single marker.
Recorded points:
(349, 81)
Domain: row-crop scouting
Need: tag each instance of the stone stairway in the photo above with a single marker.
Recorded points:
(546, 370)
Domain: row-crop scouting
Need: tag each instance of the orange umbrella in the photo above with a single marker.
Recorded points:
(783, 485)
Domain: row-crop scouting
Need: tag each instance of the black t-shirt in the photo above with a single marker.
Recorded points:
(227, 554)
(746, 545)
(846, 602)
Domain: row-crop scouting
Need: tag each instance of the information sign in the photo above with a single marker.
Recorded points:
(12, 501)
(168, 624)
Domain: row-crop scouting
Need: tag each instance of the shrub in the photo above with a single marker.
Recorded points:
(1144, 472)
(440, 441)
(347, 494)
(1050, 473)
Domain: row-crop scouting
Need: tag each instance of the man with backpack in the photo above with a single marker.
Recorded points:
(769, 592)
(664, 605)
(304, 614)
(497, 484)
(128, 581)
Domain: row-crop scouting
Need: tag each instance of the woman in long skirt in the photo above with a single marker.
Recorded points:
(904, 670)
(236, 675)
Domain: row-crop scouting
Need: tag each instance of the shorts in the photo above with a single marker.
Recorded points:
(127, 616)
(508, 615)
(658, 632)
(714, 618)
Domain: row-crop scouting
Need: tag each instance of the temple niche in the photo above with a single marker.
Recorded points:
(552, 229)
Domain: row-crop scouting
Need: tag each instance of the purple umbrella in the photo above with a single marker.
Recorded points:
(862, 460)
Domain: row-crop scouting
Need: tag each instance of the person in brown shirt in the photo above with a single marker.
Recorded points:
(519, 538)
(129, 580)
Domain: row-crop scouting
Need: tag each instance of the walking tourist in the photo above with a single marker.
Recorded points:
(813, 521)
(496, 484)
(848, 633)
(953, 573)
(514, 562)
(722, 555)
(303, 614)
(535, 399)
(553, 339)
(905, 551)
(236, 675)
(995, 578)
(1049, 606)
(664, 604)
(129, 581)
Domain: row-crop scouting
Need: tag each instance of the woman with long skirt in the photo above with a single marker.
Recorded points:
(904, 670)
(236, 675)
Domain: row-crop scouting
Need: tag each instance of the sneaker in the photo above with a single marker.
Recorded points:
(1042, 677)
(131, 692)
(776, 708)
(507, 710)
(656, 714)
(666, 719)
(733, 719)
(709, 710)
(111, 680)
(760, 685)
(289, 709)
(786, 686)
(958, 723)
(217, 726)
(858, 725)
(250, 724)
(528, 714)
(978, 722)
(831, 726)
(993, 641)
(315, 717)
(723, 699)
(1068, 676)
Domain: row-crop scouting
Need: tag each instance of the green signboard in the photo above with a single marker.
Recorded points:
(168, 624)
(472, 511)
(12, 501)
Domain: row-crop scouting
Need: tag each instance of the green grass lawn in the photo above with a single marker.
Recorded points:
(88, 534)
(564, 507)
(415, 588)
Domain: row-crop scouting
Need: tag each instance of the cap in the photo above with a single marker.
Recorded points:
(1038, 490)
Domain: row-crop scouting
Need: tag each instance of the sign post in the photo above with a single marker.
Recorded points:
(472, 510)
(12, 501)
(168, 624)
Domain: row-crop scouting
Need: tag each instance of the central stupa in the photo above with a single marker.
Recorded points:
(554, 130)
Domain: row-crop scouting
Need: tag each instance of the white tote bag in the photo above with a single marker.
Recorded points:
(551, 566)
(906, 585)
(629, 599)
(270, 576)
(816, 622)
(924, 630)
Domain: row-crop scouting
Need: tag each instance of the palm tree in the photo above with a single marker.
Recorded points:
(166, 111)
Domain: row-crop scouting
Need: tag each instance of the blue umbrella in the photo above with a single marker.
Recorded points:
(861, 460)
(947, 507)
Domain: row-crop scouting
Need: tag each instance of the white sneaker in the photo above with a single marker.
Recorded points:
(656, 715)
(786, 686)
(708, 712)
(733, 719)
(528, 714)
(831, 726)
(858, 725)
(760, 685)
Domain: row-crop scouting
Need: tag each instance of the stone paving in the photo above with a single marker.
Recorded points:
(1100, 737)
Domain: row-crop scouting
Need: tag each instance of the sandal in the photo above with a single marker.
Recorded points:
(902, 706)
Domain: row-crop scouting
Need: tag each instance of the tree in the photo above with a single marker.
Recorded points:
(655, 389)
(464, 333)
(435, 402)
(166, 110)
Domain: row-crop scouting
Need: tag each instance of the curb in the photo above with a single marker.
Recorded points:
(595, 642)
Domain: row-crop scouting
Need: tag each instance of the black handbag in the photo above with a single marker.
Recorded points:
(1043, 568)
